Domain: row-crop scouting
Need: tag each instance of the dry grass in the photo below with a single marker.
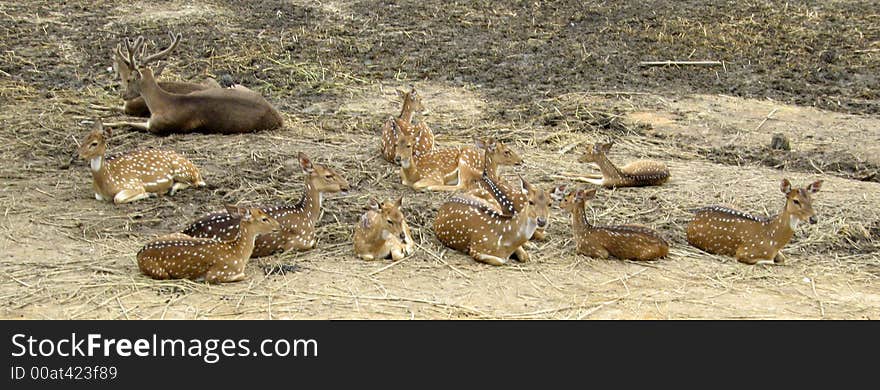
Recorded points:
(70, 256)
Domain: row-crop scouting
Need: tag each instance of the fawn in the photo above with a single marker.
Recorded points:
(180, 257)
(412, 102)
(211, 110)
(750, 238)
(136, 106)
(383, 232)
(630, 242)
(471, 225)
(297, 221)
(447, 169)
(135, 175)
(639, 173)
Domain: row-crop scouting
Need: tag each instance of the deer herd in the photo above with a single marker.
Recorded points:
(488, 217)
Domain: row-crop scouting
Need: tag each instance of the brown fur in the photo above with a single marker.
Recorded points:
(135, 175)
(729, 232)
(297, 221)
(630, 242)
(382, 232)
(179, 257)
(635, 174)
(212, 110)
(412, 102)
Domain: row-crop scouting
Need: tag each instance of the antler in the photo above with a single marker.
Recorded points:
(175, 39)
(130, 50)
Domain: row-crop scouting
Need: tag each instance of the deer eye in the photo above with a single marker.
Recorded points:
(531, 203)
(94, 143)
(389, 221)
(264, 219)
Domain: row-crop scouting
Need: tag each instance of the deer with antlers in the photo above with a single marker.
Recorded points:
(382, 232)
(424, 143)
(297, 221)
(136, 106)
(217, 261)
(630, 242)
(490, 236)
(749, 238)
(135, 175)
(212, 110)
(639, 173)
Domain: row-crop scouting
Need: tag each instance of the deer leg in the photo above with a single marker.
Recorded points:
(178, 186)
(489, 259)
(366, 256)
(522, 255)
(142, 126)
(217, 275)
(539, 235)
(745, 257)
(397, 253)
(130, 195)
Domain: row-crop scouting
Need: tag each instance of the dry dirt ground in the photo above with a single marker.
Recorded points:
(545, 77)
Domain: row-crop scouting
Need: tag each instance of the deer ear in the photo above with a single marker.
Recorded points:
(374, 205)
(400, 93)
(558, 193)
(245, 214)
(815, 186)
(589, 194)
(305, 163)
(233, 210)
(606, 146)
(525, 187)
(399, 202)
(365, 220)
(785, 187)
(479, 142)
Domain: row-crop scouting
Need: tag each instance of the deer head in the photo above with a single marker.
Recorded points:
(538, 201)
(412, 100)
(135, 64)
(95, 143)
(497, 152)
(799, 202)
(593, 153)
(577, 199)
(323, 179)
(390, 219)
(405, 144)
(254, 219)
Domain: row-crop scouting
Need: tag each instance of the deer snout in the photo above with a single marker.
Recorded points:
(397, 159)
(403, 238)
(813, 219)
(542, 221)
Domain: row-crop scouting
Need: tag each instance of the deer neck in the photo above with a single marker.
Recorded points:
(156, 98)
(406, 112)
(411, 172)
(244, 243)
(780, 229)
(310, 203)
(100, 173)
(579, 221)
(609, 171)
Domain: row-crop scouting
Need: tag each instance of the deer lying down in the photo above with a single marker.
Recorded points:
(135, 175)
(750, 238)
(424, 143)
(212, 110)
(629, 242)
(180, 257)
(297, 220)
(471, 225)
(383, 232)
(136, 106)
(635, 174)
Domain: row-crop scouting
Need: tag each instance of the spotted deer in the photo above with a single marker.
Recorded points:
(628, 242)
(135, 175)
(750, 238)
(446, 169)
(217, 261)
(297, 221)
(383, 232)
(639, 173)
(211, 110)
(412, 102)
(470, 225)
(136, 106)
